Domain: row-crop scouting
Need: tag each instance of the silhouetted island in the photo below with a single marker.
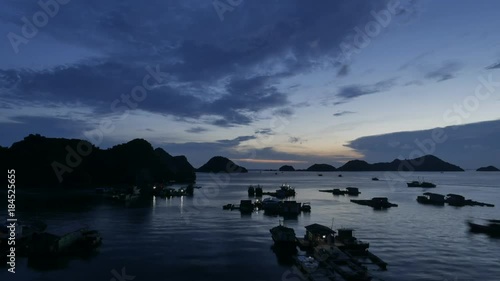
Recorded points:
(42, 161)
(286, 168)
(219, 164)
(488, 169)
(321, 168)
(427, 163)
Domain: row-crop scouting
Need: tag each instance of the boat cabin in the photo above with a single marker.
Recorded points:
(345, 233)
(319, 234)
(434, 196)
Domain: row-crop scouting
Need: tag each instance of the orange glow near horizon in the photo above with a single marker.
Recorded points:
(250, 160)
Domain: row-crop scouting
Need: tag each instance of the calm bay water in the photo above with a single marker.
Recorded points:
(194, 239)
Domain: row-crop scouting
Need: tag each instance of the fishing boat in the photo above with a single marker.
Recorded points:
(492, 228)
(82, 240)
(423, 184)
(334, 191)
(227, 207)
(377, 203)
(306, 207)
(375, 179)
(287, 190)
(283, 236)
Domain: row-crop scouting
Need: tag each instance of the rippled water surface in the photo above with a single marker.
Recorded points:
(194, 239)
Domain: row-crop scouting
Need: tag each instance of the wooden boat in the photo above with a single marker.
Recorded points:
(306, 207)
(377, 203)
(423, 184)
(334, 191)
(283, 236)
(492, 228)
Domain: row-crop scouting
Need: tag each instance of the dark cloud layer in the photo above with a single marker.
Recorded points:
(342, 113)
(350, 92)
(469, 146)
(493, 66)
(446, 71)
(215, 68)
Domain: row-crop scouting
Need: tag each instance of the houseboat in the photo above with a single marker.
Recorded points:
(431, 198)
(271, 205)
(352, 191)
(289, 208)
(346, 241)
(317, 234)
(246, 206)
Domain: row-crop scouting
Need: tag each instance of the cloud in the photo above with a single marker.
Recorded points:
(414, 83)
(266, 131)
(342, 113)
(296, 140)
(271, 161)
(446, 71)
(350, 92)
(236, 141)
(469, 146)
(493, 66)
(343, 71)
(99, 84)
(284, 112)
(229, 70)
(196, 130)
(231, 148)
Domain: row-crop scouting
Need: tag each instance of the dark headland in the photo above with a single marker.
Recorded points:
(286, 168)
(488, 169)
(42, 161)
(219, 164)
(321, 168)
(427, 163)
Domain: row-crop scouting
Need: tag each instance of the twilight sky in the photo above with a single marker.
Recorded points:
(264, 83)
